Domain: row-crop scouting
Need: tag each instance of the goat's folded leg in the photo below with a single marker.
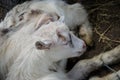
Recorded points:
(82, 69)
(113, 76)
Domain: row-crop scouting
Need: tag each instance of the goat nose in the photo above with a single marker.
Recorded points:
(84, 46)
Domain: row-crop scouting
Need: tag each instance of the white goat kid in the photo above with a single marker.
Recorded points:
(32, 54)
(74, 15)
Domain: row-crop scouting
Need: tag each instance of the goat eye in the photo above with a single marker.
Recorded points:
(21, 16)
(62, 37)
(70, 42)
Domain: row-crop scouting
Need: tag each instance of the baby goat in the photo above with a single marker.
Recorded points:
(73, 15)
(34, 56)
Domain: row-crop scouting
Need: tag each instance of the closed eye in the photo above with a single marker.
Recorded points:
(21, 16)
(70, 41)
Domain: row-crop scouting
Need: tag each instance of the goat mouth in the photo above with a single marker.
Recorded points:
(79, 52)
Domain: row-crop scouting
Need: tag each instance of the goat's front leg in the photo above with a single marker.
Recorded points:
(84, 67)
(113, 76)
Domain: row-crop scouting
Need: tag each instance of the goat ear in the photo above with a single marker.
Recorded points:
(4, 31)
(41, 45)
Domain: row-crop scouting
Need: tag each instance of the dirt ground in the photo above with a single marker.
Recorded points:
(104, 16)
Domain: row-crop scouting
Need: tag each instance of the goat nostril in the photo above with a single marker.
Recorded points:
(38, 45)
(84, 46)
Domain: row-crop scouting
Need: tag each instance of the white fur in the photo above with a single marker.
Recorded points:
(74, 15)
(21, 60)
